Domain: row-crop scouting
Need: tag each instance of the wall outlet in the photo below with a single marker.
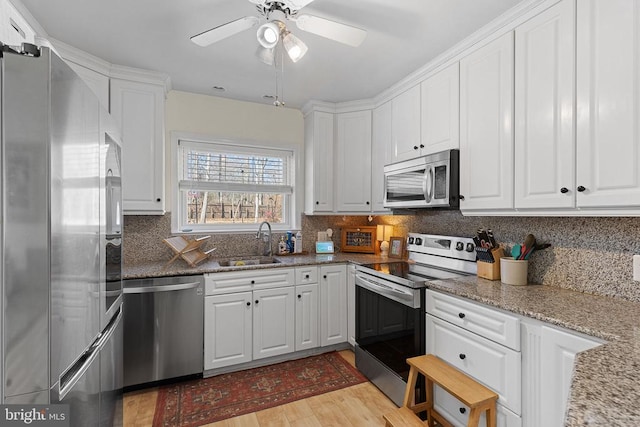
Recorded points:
(636, 268)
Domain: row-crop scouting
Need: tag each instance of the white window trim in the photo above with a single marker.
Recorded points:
(296, 199)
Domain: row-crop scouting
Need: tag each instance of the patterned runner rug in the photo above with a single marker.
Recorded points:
(198, 402)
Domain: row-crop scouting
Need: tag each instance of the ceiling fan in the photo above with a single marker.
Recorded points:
(276, 13)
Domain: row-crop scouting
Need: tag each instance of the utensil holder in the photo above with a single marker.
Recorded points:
(514, 271)
(491, 270)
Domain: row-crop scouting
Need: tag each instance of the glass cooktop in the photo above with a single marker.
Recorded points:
(410, 273)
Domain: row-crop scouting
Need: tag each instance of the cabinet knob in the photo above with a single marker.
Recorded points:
(461, 315)
(324, 277)
(367, 202)
(461, 197)
(158, 199)
(421, 145)
(415, 147)
(463, 410)
(248, 303)
(581, 189)
(306, 276)
(317, 203)
(461, 355)
(564, 190)
(257, 301)
(299, 296)
(253, 282)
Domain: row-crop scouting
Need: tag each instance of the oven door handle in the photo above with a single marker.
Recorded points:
(404, 297)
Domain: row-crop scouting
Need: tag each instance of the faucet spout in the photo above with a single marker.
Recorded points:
(266, 240)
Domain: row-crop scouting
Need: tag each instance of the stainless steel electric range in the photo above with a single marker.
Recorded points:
(390, 314)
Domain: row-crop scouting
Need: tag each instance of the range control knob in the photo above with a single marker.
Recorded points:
(411, 240)
(418, 241)
(470, 247)
(459, 246)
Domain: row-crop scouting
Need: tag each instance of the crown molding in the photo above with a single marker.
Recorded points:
(337, 107)
(80, 57)
(142, 76)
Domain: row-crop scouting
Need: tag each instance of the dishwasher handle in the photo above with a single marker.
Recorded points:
(161, 288)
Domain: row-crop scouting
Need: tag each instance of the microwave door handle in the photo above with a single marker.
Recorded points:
(427, 184)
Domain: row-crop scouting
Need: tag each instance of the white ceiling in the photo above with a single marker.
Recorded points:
(403, 35)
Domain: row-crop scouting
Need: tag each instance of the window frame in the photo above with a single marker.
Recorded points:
(292, 208)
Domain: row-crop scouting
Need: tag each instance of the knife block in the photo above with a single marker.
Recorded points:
(491, 270)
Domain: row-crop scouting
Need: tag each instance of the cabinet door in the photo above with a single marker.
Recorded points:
(353, 161)
(307, 329)
(440, 99)
(608, 111)
(318, 162)
(558, 354)
(273, 322)
(380, 154)
(405, 125)
(333, 304)
(138, 108)
(544, 143)
(486, 126)
(351, 304)
(227, 330)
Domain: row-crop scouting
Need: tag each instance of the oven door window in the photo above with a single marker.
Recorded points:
(388, 330)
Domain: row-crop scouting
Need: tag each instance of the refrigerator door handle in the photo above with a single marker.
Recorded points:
(162, 288)
(76, 371)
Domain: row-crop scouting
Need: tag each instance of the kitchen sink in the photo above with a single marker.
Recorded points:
(241, 262)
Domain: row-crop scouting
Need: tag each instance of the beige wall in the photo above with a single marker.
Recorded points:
(226, 118)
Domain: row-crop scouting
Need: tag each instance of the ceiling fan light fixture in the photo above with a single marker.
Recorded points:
(295, 47)
(268, 35)
(266, 55)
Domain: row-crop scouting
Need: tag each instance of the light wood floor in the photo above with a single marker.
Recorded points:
(359, 405)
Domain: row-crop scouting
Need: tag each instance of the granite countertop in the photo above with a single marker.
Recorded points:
(605, 388)
(180, 268)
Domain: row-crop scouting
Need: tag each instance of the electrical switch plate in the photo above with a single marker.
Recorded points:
(636, 268)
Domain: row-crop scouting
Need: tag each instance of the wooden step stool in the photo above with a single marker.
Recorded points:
(473, 394)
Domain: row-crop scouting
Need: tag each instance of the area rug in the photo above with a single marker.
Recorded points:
(198, 402)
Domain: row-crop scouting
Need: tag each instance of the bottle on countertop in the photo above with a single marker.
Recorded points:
(282, 246)
(298, 244)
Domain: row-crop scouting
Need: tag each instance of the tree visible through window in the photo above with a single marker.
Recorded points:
(228, 184)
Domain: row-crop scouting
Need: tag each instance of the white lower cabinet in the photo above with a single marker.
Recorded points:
(351, 304)
(273, 322)
(307, 333)
(458, 414)
(227, 329)
(548, 358)
(333, 304)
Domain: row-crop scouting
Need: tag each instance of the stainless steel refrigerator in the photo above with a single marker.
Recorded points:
(60, 231)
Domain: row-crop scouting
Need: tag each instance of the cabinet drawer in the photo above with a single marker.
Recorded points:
(487, 322)
(238, 281)
(305, 275)
(458, 414)
(494, 365)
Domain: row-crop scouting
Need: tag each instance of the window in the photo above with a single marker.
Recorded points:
(223, 186)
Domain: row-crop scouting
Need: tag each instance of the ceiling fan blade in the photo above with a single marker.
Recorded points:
(225, 30)
(333, 30)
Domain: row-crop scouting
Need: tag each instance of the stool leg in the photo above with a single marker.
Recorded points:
(491, 415)
(474, 417)
(410, 391)
(428, 384)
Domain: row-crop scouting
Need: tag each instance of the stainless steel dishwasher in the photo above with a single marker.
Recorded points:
(163, 328)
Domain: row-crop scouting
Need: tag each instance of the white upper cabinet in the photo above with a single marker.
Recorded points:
(353, 161)
(138, 108)
(440, 100)
(405, 125)
(486, 126)
(608, 110)
(318, 129)
(544, 113)
(380, 154)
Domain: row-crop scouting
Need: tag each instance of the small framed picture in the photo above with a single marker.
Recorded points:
(396, 247)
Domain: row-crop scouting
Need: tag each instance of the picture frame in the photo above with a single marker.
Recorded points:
(396, 247)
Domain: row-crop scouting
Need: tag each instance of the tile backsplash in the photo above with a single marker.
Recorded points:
(592, 255)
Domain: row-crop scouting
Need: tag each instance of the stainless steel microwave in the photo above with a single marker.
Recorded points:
(431, 181)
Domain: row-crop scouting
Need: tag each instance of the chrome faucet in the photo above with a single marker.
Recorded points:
(266, 239)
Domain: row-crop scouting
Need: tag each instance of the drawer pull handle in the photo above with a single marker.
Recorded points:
(461, 355)
(461, 315)
(463, 410)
